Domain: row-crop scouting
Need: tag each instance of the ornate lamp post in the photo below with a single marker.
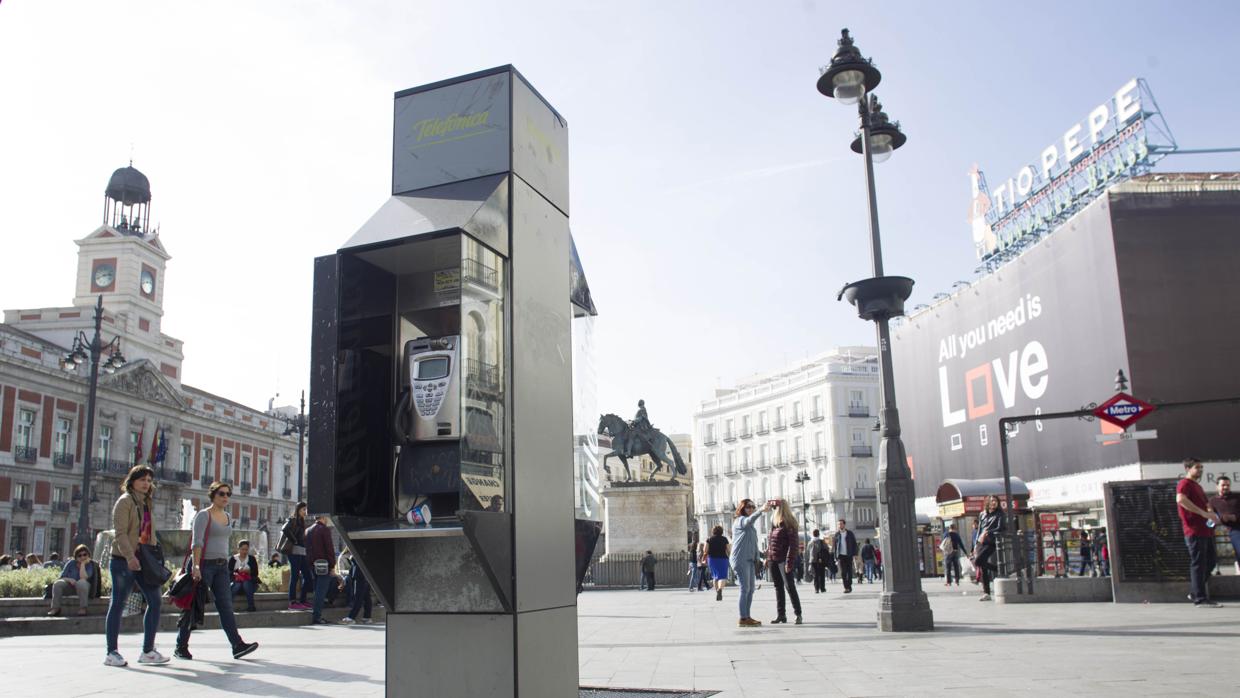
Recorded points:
(801, 479)
(91, 350)
(297, 425)
(903, 606)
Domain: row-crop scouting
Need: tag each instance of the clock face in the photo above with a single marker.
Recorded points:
(148, 282)
(105, 274)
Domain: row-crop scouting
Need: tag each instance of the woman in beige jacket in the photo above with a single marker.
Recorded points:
(133, 521)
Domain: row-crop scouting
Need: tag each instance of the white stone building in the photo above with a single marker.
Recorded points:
(816, 417)
(43, 407)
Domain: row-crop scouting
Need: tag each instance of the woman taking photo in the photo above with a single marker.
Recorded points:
(717, 550)
(209, 567)
(744, 556)
(294, 533)
(989, 526)
(134, 525)
(781, 557)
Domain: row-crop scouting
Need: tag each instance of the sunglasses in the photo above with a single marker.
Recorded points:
(83, 555)
(223, 494)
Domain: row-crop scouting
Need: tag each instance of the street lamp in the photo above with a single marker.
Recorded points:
(903, 606)
(91, 350)
(801, 479)
(297, 425)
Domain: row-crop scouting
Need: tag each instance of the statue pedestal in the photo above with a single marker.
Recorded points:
(645, 516)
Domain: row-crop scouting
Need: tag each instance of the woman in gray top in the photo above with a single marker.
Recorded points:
(745, 555)
(210, 552)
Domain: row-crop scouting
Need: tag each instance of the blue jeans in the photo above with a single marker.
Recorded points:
(249, 587)
(695, 576)
(745, 578)
(320, 594)
(215, 579)
(952, 564)
(297, 565)
(1199, 566)
(124, 579)
(870, 570)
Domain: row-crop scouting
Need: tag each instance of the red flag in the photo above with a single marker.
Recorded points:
(137, 448)
(151, 457)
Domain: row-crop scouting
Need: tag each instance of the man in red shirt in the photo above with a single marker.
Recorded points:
(1227, 506)
(1191, 504)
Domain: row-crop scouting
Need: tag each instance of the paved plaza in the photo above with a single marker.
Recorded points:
(672, 639)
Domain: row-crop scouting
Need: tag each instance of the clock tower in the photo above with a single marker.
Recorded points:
(124, 260)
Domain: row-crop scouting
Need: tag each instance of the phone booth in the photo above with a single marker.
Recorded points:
(441, 431)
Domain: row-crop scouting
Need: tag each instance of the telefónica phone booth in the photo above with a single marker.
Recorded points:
(441, 423)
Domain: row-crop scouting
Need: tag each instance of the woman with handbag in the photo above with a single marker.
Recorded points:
(989, 527)
(209, 568)
(134, 526)
(243, 568)
(293, 544)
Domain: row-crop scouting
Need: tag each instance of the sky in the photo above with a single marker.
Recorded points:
(715, 203)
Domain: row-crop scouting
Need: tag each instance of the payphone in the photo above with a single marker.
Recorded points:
(430, 405)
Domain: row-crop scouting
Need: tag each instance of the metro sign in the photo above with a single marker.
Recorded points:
(1123, 410)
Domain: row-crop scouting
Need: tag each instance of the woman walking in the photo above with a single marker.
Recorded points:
(209, 561)
(134, 525)
(781, 555)
(989, 526)
(717, 551)
(294, 532)
(744, 557)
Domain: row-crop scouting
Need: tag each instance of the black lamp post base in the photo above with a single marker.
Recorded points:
(904, 612)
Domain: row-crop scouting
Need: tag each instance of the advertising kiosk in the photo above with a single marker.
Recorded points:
(441, 429)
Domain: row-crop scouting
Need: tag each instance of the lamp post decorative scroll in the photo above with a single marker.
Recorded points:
(91, 350)
(851, 78)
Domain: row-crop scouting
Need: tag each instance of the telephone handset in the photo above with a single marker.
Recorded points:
(430, 403)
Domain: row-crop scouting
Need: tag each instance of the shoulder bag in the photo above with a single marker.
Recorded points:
(181, 593)
(151, 559)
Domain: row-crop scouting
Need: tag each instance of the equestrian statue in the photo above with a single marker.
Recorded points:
(638, 438)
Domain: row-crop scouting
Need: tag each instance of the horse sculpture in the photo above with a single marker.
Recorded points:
(627, 443)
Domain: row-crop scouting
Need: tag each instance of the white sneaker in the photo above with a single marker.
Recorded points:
(152, 657)
(347, 621)
(984, 597)
(115, 659)
(367, 621)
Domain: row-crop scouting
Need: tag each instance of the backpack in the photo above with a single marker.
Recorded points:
(947, 546)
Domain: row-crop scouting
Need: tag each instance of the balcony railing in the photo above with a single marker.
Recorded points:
(864, 451)
(817, 417)
(797, 420)
(482, 376)
(206, 480)
(23, 504)
(820, 454)
(780, 425)
(288, 493)
(245, 488)
(170, 475)
(781, 462)
(709, 474)
(108, 466)
(764, 465)
(856, 409)
(864, 493)
(746, 433)
(729, 436)
(60, 507)
(729, 469)
(25, 454)
(263, 490)
(763, 429)
(479, 273)
(62, 461)
(747, 467)
(798, 458)
(710, 440)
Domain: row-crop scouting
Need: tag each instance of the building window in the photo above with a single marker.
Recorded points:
(187, 455)
(762, 454)
(59, 494)
(779, 416)
(245, 468)
(710, 464)
(796, 448)
(63, 427)
(762, 421)
(731, 458)
(208, 462)
(21, 490)
(727, 429)
(817, 405)
(796, 411)
(710, 433)
(25, 428)
(745, 456)
(17, 539)
(262, 471)
(56, 544)
(134, 439)
(745, 424)
(780, 453)
(105, 442)
(226, 466)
